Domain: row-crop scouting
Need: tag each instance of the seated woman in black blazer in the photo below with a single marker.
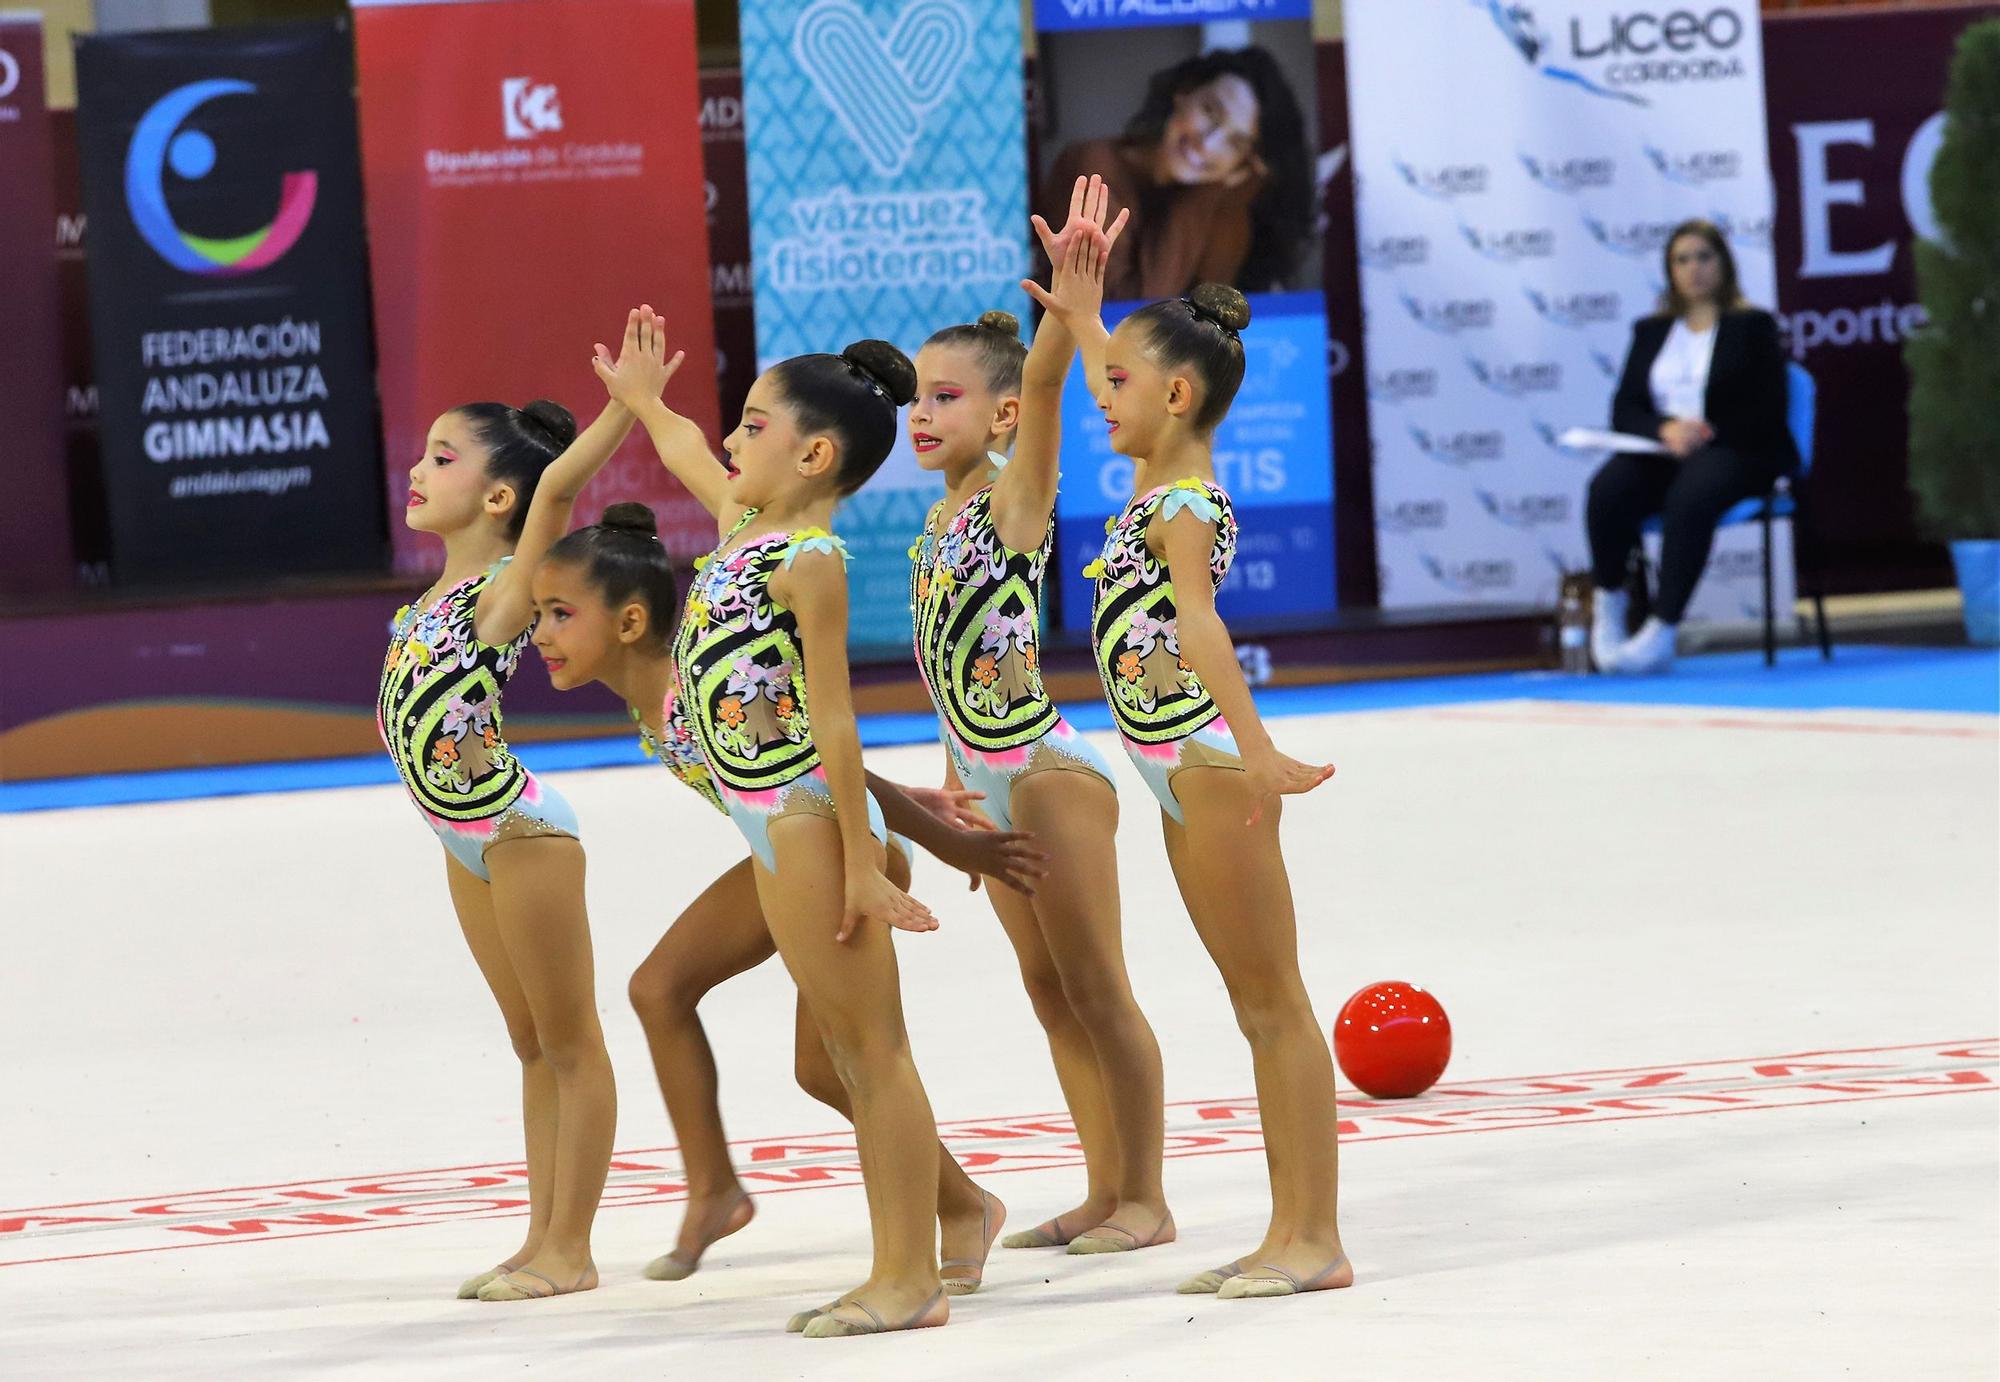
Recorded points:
(1707, 377)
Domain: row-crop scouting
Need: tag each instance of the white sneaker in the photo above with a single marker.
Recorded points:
(1647, 652)
(1607, 627)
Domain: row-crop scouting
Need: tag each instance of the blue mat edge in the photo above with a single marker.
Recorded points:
(1962, 680)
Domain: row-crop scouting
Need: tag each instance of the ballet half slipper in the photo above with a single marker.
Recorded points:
(1209, 1282)
(525, 1284)
(470, 1290)
(1111, 1238)
(1049, 1235)
(989, 1230)
(832, 1326)
(677, 1266)
(797, 1323)
(1246, 1287)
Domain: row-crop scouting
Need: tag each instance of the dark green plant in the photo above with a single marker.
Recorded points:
(1955, 360)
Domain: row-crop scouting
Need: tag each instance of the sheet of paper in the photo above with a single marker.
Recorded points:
(1597, 439)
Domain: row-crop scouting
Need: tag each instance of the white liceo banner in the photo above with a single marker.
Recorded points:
(1518, 170)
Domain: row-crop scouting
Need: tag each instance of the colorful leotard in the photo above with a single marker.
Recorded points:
(438, 712)
(742, 686)
(976, 607)
(679, 752)
(1165, 715)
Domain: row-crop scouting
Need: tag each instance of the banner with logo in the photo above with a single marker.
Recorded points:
(888, 199)
(1519, 169)
(1214, 128)
(534, 171)
(34, 542)
(229, 301)
(1852, 139)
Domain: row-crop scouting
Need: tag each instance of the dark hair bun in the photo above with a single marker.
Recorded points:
(551, 418)
(1221, 304)
(636, 519)
(886, 366)
(1006, 323)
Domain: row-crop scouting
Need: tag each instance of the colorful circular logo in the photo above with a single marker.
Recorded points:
(159, 143)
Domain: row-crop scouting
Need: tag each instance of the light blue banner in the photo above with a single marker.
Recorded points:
(1054, 15)
(888, 198)
(1272, 454)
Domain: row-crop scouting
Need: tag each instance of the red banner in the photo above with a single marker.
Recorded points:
(533, 169)
(1852, 138)
(34, 532)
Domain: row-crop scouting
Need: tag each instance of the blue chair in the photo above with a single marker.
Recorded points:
(1786, 500)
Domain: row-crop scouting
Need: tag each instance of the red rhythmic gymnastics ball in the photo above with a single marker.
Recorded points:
(1393, 1040)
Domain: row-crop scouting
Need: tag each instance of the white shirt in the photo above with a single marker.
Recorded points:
(1680, 372)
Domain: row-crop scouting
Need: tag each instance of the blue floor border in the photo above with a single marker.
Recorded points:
(1961, 680)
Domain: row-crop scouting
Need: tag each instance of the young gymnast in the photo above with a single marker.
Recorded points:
(1164, 380)
(605, 601)
(761, 664)
(976, 592)
(497, 484)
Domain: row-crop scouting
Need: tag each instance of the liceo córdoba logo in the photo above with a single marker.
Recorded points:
(159, 143)
(1517, 25)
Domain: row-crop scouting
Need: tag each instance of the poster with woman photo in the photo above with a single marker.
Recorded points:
(1207, 134)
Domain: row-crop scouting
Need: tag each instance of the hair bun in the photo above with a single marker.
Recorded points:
(552, 419)
(886, 367)
(1006, 323)
(1221, 304)
(632, 518)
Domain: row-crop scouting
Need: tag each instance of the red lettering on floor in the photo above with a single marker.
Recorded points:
(1034, 1142)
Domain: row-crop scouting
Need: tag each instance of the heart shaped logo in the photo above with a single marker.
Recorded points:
(881, 87)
